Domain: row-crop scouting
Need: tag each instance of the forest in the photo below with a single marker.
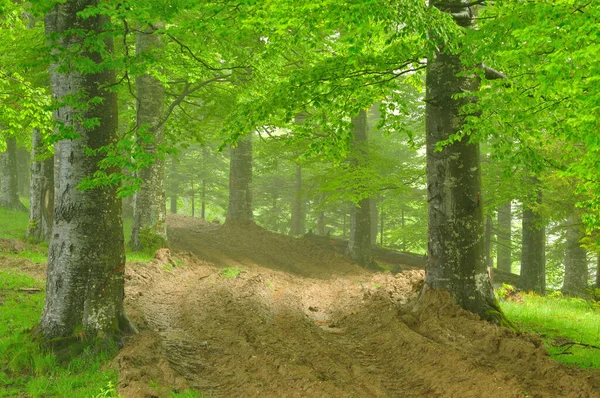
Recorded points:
(317, 198)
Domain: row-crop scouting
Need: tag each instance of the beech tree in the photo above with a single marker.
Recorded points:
(359, 244)
(456, 259)
(240, 183)
(576, 264)
(150, 212)
(9, 183)
(86, 257)
(533, 244)
(503, 238)
(41, 200)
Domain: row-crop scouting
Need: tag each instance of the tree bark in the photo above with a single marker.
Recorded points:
(359, 243)
(41, 192)
(374, 220)
(488, 241)
(503, 240)
(86, 256)
(533, 249)
(9, 182)
(150, 213)
(23, 171)
(456, 258)
(298, 214)
(576, 266)
(240, 183)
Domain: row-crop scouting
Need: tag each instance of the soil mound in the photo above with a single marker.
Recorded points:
(248, 245)
(269, 332)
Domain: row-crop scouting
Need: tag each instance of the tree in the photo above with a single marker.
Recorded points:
(41, 200)
(503, 245)
(86, 257)
(533, 252)
(150, 213)
(240, 183)
(576, 264)
(456, 259)
(9, 183)
(359, 244)
(298, 215)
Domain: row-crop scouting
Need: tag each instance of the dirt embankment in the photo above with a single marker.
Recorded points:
(302, 321)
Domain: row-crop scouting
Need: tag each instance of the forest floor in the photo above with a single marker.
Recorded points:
(237, 311)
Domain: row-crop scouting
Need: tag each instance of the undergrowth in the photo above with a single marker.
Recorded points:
(561, 322)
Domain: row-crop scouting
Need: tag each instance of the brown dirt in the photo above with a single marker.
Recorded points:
(302, 321)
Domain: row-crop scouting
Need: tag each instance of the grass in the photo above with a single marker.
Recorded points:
(27, 369)
(558, 319)
(13, 224)
(230, 272)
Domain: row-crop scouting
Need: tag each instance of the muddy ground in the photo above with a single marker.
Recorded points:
(300, 320)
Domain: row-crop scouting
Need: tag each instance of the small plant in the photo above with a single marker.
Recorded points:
(230, 272)
(108, 392)
(509, 293)
(269, 284)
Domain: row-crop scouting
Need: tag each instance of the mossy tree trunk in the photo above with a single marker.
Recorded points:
(503, 240)
(576, 264)
(456, 257)
(533, 247)
(149, 229)
(86, 256)
(41, 192)
(9, 182)
(240, 183)
(359, 242)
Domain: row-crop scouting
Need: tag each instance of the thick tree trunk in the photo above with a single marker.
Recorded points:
(86, 256)
(359, 243)
(240, 183)
(576, 265)
(456, 258)
(533, 251)
(503, 240)
(9, 182)
(150, 213)
(41, 196)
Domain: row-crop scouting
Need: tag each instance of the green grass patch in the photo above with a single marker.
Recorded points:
(13, 224)
(27, 369)
(230, 272)
(559, 320)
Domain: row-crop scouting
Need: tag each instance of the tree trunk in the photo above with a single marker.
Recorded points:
(374, 220)
(150, 213)
(23, 171)
(297, 218)
(503, 240)
(86, 256)
(9, 182)
(41, 195)
(533, 251)
(240, 183)
(488, 241)
(576, 266)
(359, 243)
(456, 257)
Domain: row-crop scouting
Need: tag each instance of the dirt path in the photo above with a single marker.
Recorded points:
(277, 332)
